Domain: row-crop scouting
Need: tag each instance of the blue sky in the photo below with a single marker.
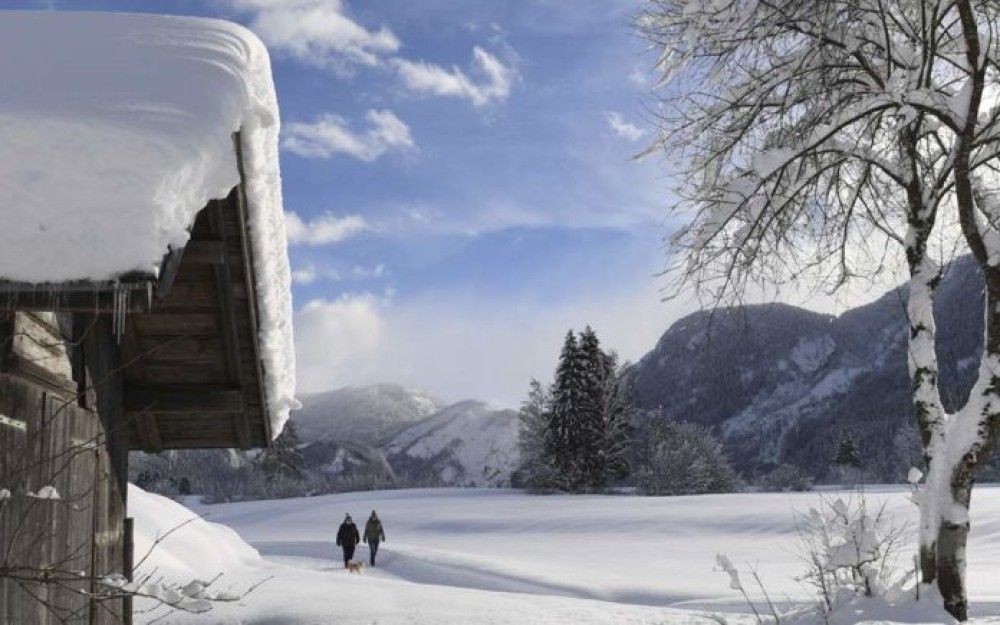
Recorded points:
(461, 183)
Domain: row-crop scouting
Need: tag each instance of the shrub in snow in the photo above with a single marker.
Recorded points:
(850, 549)
(682, 458)
(785, 478)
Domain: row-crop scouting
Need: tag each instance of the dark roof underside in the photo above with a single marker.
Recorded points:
(193, 377)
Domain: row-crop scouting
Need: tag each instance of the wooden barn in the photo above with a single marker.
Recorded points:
(191, 350)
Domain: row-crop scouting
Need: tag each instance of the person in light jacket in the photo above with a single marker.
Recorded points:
(374, 534)
(348, 538)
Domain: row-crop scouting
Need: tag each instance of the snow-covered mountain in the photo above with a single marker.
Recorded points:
(782, 384)
(367, 414)
(407, 434)
(465, 444)
(345, 459)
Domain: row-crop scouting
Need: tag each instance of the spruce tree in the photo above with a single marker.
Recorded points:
(596, 371)
(283, 456)
(576, 435)
(618, 411)
(565, 428)
(536, 470)
(847, 453)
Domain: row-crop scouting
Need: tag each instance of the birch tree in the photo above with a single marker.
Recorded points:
(818, 139)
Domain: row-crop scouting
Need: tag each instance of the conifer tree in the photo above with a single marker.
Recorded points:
(536, 470)
(847, 453)
(618, 411)
(565, 428)
(588, 418)
(283, 457)
(596, 373)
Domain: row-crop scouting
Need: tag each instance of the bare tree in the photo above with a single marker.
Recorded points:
(819, 139)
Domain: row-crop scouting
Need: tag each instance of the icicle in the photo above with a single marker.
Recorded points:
(120, 304)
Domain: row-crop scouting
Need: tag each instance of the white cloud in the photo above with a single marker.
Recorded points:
(493, 84)
(324, 229)
(322, 33)
(360, 272)
(331, 134)
(458, 346)
(335, 339)
(318, 32)
(624, 129)
(304, 275)
(639, 77)
(310, 273)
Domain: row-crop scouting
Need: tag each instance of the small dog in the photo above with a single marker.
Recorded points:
(355, 566)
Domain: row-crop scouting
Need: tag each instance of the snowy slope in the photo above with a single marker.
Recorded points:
(465, 444)
(367, 414)
(115, 130)
(494, 556)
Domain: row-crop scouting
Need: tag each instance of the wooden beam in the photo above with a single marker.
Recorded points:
(227, 313)
(168, 399)
(205, 252)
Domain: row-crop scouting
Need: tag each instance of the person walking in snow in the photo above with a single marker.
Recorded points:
(374, 534)
(348, 538)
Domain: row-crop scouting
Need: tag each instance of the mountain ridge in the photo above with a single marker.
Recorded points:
(783, 384)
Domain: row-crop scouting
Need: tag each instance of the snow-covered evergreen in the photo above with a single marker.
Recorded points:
(575, 435)
(284, 456)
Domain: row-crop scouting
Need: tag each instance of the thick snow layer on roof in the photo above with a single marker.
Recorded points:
(115, 130)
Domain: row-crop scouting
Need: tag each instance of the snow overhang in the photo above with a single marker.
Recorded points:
(116, 132)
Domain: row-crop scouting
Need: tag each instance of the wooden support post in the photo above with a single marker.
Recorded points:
(104, 368)
(128, 561)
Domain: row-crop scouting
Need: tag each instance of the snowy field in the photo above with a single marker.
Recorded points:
(503, 557)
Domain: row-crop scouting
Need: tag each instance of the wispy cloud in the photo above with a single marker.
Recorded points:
(318, 32)
(623, 128)
(381, 338)
(323, 33)
(639, 76)
(322, 230)
(310, 273)
(352, 323)
(492, 82)
(332, 134)
(304, 275)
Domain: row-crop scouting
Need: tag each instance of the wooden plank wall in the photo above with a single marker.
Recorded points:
(48, 439)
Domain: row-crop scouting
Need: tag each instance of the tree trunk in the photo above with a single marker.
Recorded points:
(929, 413)
(952, 538)
(928, 562)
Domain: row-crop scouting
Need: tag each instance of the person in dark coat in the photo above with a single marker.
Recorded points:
(348, 538)
(374, 534)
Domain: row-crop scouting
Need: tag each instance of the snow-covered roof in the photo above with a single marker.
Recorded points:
(115, 130)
